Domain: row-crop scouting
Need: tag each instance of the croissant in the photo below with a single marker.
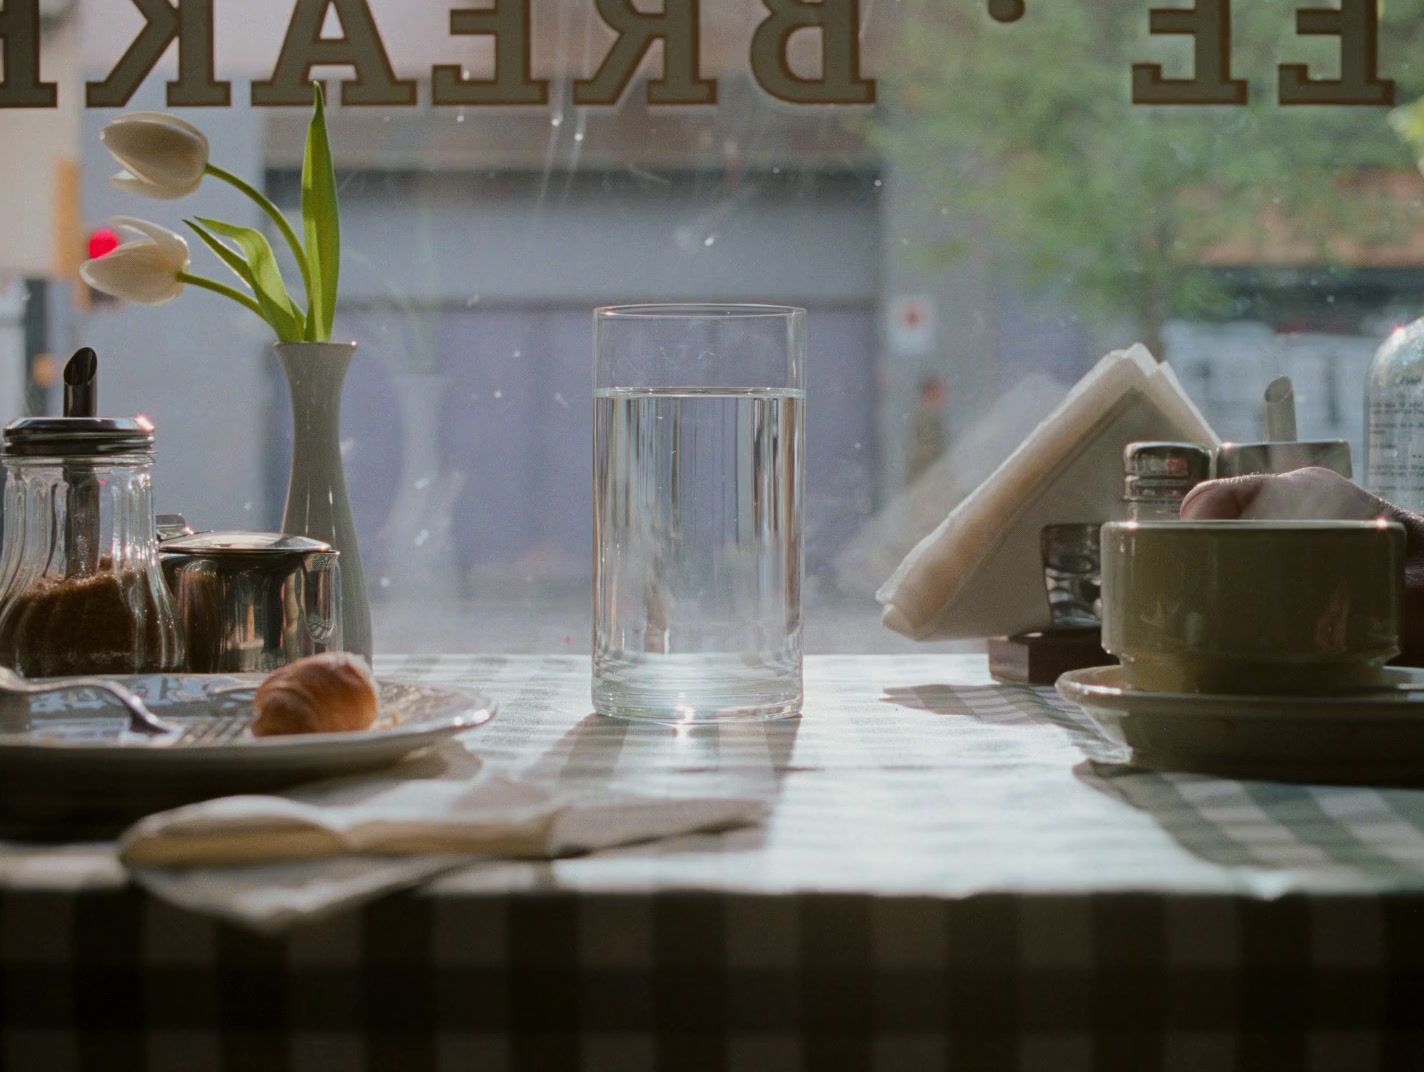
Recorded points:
(331, 693)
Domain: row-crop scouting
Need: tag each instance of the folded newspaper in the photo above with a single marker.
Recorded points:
(980, 574)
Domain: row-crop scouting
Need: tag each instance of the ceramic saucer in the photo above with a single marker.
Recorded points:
(67, 761)
(1374, 737)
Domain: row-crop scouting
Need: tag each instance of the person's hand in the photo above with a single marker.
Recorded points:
(1320, 495)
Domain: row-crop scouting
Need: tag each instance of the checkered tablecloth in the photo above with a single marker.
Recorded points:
(955, 875)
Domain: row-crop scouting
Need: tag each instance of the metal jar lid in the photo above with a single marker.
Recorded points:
(1157, 471)
(77, 437)
(239, 545)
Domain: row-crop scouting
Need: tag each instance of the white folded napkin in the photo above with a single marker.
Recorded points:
(980, 574)
(976, 450)
(270, 861)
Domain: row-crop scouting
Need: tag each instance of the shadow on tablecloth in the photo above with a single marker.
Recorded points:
(1375, 833)
(1010, 705)
(1359, 832)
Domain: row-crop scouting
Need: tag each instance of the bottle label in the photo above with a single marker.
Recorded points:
(1396, 449)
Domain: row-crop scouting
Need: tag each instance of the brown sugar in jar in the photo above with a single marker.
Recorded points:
(105, 623)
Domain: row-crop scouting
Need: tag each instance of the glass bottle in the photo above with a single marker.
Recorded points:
(1394, 467)
(81, 591)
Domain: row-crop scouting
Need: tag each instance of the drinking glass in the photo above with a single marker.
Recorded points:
(697, 448)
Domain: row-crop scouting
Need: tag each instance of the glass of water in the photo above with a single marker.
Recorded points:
(697, 456)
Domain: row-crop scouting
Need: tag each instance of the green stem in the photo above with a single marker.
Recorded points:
(293, 242)
(220, 288)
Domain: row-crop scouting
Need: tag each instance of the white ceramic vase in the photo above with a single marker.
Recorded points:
(317, 504)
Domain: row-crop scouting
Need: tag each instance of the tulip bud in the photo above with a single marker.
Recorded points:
(163, 157)
(144, 268)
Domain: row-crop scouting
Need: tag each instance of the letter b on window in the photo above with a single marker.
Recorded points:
(839, 23)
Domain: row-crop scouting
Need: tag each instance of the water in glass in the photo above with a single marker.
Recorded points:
(697, 571)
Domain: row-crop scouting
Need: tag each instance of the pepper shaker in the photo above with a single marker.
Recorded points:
(1158, 476)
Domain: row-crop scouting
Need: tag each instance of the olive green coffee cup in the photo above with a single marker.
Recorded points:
(1252, 606)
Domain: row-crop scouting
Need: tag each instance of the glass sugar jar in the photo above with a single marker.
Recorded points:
(81, 590)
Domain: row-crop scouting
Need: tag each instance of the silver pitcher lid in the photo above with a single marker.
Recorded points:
(172, 526)
(1244, 459)
(78, 437)
(245, 544)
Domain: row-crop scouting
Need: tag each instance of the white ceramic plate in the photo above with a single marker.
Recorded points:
(73, 761)
(1365, 738)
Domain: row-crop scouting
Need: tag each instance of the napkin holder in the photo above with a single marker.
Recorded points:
(979, 573)
(1072, 577)
(1042, 658)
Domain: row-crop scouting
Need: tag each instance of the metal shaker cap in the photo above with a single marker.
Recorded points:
(1156, 471)
(77, 437)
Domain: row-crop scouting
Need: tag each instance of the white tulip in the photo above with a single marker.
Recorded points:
(162, 156)
(144, 268)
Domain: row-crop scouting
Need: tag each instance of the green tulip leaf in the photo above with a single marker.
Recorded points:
(321, 215)
(257, 268)
(261, 259)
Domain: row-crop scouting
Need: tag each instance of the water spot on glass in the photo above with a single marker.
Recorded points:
(559, 398)
(578, 135)
(518, 353)
(556, 121)
(422, 538)
(499, 394)
(385, 582)
(423, 483)
(709, 241)
(474, 299)
(878, 183)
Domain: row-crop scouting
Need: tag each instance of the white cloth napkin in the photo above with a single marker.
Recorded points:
(974, 452)
(980, 574)
(270, 861)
